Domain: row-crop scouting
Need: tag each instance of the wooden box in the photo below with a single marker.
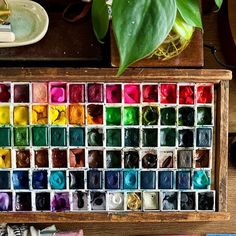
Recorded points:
(220, 78)
(191, 57)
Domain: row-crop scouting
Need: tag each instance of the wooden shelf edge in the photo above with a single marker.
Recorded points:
(64, 217)
(103, 74)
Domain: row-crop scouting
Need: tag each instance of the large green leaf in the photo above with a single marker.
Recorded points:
(190, 11)
(100, 18)
(218, 3)
(140, 26)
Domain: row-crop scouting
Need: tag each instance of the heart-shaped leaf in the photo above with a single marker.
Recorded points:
(100, 18)
(140, 26)
(190, 11)
(219, 3)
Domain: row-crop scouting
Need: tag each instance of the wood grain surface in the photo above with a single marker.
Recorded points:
(132, 217)
(232, 106)
(109, 74)
(221, 145)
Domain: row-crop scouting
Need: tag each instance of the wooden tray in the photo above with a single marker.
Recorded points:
(221, 80)
(192, 56)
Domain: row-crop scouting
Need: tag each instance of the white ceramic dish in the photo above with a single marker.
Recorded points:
(29, 22)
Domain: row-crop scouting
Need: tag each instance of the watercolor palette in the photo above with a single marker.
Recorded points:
(106, 146)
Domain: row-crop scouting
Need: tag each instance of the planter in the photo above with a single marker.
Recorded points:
(192, 56)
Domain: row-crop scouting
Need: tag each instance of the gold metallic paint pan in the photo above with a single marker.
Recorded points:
(4, 11)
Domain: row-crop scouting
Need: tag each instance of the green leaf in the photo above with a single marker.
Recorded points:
(190, 11)
(140, 26)
(183, 29)
(219, 3)
(100, 18)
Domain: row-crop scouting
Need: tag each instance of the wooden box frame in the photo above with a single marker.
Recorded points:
(221, 80)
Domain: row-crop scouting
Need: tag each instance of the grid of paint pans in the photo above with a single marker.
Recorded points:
(106, 146)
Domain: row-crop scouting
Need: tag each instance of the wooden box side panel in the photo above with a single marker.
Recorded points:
(59, 217)
(109, 75)
(222, 146)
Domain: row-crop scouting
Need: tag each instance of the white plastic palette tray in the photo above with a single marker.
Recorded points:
(85, 170)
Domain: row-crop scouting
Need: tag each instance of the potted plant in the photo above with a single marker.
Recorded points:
(148, 28)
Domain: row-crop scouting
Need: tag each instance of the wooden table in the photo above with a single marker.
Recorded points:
(211, 36)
